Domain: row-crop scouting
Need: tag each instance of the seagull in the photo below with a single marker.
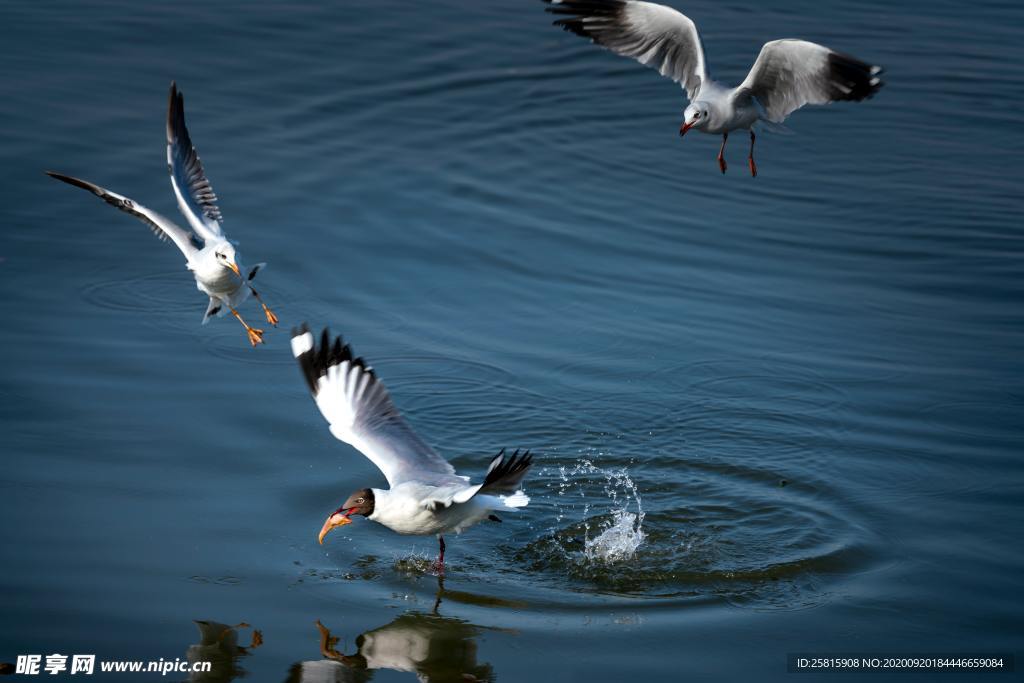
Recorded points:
(426, 496)
(208, 253)
(788, 73)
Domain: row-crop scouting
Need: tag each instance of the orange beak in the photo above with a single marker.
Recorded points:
(335, 520)
(685, 127)
(234, 267)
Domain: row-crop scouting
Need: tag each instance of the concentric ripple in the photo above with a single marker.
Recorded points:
(738, 533)
(172, 292)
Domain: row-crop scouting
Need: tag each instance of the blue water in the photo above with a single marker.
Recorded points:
(804, 387)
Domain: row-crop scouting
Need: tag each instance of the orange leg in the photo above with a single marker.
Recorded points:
(271, 318)
(721, 151)
(255, 336)
(753, 166)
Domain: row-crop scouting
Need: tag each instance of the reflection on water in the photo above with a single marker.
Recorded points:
(218, 644)
(433, 647)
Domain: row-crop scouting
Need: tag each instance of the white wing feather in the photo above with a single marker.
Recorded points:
(789, 74)
(654, 35)
(360, 413)
(162, 227)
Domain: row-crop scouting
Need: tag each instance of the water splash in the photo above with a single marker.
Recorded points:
(617, 542)
(736, 535)
(619, 530)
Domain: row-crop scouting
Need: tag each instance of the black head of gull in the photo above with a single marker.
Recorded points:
(359, 503)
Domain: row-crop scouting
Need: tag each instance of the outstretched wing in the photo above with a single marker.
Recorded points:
(360, 412)
(162, 227)
(791, 73)
(653, 34)
(196, 199)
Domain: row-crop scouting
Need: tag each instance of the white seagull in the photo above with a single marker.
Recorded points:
(426, 496)
(208, 253)
(788, 73)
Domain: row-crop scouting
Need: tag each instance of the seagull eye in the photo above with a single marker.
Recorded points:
(359, 500)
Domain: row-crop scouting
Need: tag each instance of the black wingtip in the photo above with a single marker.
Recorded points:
(852, 79)
(85, 185)
(575, 12)
(509, 470)
(324, 355)
(175, 112)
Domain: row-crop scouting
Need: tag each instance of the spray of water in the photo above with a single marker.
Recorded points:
(618, 541)
(612, 538)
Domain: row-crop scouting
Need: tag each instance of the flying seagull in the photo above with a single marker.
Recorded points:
(208, 253)
(426, 496)
(788, 73)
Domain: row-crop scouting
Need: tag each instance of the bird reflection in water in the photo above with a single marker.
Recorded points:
(218, 644)
(435, 648)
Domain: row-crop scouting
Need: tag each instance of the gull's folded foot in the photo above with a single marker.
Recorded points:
(255, 336)
(753, 168)
(721, 164)
(271, 318)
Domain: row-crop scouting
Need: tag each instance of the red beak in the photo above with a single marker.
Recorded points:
(685, 127)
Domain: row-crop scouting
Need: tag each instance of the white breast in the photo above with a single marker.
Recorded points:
(221, 283)
(403, 511)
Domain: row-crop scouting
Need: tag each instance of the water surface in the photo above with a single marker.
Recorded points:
(790, 406)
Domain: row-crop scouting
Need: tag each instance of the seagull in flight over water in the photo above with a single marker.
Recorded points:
(787, 75)
(426, 495)
(208, 253)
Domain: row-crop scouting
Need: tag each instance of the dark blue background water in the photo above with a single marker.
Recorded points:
(812, 379)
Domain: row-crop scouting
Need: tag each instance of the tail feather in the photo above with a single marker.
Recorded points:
(516, 500)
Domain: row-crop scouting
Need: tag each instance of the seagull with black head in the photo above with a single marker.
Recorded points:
(426, 496)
